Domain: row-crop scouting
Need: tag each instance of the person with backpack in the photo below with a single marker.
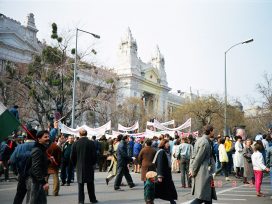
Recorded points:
(21, 159)
(183, 155)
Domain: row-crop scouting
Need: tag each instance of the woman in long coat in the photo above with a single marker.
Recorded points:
(165, 188)
(248, 167)
(146, 157)
(239, 157)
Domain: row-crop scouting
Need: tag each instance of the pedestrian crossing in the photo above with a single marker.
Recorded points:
(242, 194)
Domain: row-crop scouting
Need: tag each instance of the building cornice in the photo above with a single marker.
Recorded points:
(144, 81)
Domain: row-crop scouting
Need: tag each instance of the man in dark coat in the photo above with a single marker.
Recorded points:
(67, 167)
(122, 164)
(83, 156)
(201, 165)
(38, 170)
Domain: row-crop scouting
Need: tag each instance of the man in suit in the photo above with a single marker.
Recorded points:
(200, 168)
(83, 156)
(122, 164)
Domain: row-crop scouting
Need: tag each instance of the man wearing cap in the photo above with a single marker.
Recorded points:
(83, 156)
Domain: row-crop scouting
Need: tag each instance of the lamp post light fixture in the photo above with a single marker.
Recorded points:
(75, 75)
(225, 111)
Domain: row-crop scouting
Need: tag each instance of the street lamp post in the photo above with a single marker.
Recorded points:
(75, 70)
(225, 111)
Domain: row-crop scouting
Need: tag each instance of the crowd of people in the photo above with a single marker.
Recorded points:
(198, 161)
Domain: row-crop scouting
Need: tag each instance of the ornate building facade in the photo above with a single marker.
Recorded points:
(18, 43)
(145, 80)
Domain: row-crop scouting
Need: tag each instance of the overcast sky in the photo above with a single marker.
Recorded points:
(192, 36)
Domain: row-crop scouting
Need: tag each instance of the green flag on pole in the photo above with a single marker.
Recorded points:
(8, 122)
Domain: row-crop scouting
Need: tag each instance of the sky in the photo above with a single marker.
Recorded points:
(192, 35)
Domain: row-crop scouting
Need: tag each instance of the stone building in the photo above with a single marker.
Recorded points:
(18, 43)
(146, 80)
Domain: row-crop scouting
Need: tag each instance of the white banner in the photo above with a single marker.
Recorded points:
(90, 131)
(150, 134)
(126, 129)
(116, 133)
(158, 125)
(100, 130)
(171, 122)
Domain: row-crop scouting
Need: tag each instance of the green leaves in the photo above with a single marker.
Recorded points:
(52, 55)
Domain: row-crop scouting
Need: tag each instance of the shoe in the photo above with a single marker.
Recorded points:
(68, 184)
(94, 201)
(190, 186)
(107, 181)
(62, 184)
(183, 186)
(118, 189)
(132, 185)
(56, 194)
(227, 179)
(213, 175)
(260, 195)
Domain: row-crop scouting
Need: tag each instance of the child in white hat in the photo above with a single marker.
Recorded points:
(149, 187)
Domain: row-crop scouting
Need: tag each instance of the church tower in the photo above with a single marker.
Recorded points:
(31, 30)
(158, 62)
(127, 56)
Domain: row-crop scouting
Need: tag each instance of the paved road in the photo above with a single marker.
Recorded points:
(228, 192)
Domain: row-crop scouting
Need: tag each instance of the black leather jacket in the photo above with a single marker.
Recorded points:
(39, 163)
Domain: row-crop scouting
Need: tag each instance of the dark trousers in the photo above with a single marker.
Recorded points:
(122, 171)
(37, 195)
(239, 171)
(6, 169)
(81, 195)
(199, 201)
(66, 171)
(224, 168)
(103, 163)
(23, 188)
(230, 163)
(184, 171)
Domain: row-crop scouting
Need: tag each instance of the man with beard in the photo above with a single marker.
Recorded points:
(39, 166)
(200, 168)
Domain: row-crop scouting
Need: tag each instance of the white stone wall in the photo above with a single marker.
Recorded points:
(18, 42)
